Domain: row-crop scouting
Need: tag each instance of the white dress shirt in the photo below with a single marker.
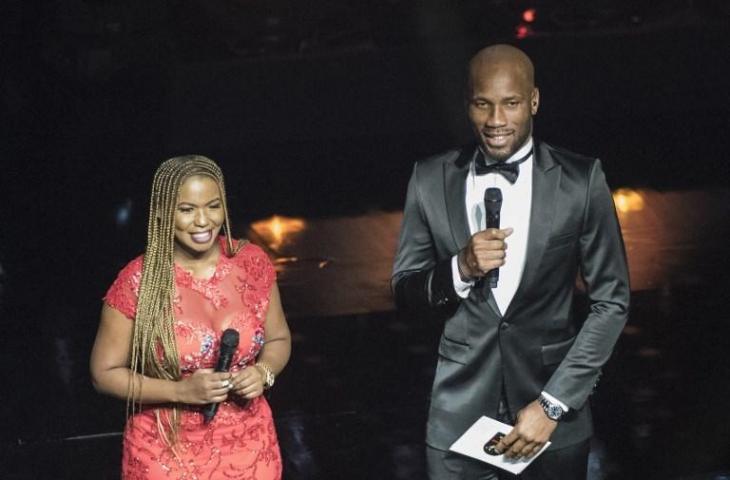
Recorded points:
(515, 213)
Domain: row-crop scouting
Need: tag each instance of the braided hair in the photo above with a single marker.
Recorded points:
(154, 350)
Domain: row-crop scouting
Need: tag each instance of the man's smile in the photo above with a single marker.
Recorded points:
(496, 139)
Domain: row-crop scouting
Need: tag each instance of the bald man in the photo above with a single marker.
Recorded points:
(516, 351)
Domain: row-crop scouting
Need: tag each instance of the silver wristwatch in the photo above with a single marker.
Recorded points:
(552, 410)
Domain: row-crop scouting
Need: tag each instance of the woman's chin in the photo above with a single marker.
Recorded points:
(195, 249)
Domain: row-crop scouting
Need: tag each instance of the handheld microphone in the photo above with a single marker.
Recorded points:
(229, 343)
(492, 206)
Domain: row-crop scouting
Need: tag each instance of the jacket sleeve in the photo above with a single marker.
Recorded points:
(605, 273)
(420, 279)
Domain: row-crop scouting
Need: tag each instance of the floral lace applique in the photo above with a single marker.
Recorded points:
(196, 334)
(252, 296)
(123, 293)
(257, 342)
(205, 357)
(133, 467)
(204, 449)
(209, 288)
(257, 266)
(255, 285)
(177, 304)
(240, 442)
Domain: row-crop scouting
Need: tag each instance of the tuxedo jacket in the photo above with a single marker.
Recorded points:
(538, 343)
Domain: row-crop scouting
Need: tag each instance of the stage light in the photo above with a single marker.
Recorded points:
(277, 230)
(123, 213)
(529, 15)
(627, 200)
(522, 31)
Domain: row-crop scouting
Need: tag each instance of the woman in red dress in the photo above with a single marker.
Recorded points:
(160, 331)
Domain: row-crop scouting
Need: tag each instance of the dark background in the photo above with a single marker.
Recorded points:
(314, 109)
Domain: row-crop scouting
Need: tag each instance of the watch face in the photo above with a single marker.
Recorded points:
(552, 410)
(555, 412)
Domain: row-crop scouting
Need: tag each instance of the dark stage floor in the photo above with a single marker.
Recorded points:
(352, 402)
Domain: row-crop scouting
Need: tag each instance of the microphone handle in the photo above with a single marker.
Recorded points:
(209, 412)
(224, 364)
(493, 275)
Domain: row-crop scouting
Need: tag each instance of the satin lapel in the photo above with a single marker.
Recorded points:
(545, 182)
(455, 173)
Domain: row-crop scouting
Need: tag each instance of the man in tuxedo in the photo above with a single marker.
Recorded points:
(516, 352)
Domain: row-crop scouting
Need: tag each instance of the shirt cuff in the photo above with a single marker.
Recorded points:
(461, 287)
(555, 400)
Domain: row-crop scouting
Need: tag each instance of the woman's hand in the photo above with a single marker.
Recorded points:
(248, 383)
(204, 386)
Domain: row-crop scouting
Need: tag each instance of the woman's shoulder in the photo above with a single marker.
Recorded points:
(253, 259)
(133, 267)
(245, 249)
(122, 294)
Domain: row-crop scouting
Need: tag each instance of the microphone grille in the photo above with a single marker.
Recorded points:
(493, 194)
(230, 338)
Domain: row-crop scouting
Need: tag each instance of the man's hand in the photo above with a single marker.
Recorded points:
(530, 433)
(485, 251)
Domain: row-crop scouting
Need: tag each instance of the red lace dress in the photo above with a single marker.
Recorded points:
(240, 442)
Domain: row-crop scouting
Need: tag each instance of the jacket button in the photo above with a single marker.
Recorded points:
(504, 325)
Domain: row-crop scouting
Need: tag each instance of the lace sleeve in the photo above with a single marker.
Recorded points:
(122, 295)
(259, 269)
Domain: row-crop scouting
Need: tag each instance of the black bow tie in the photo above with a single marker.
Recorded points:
(510, 171)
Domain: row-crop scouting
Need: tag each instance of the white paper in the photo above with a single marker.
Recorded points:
(472, 443)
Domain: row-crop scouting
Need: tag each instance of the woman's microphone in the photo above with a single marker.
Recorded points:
(229, 343)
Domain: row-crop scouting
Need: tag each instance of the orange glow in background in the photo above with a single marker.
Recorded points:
(276, 231)
(628, 200)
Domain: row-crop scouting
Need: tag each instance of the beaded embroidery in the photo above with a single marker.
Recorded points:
(240, 442)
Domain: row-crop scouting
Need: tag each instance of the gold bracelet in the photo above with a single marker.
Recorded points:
(269, 377)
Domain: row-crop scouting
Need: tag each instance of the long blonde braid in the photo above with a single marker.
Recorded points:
(154, 349)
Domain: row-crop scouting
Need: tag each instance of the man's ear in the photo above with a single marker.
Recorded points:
(534, 101)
